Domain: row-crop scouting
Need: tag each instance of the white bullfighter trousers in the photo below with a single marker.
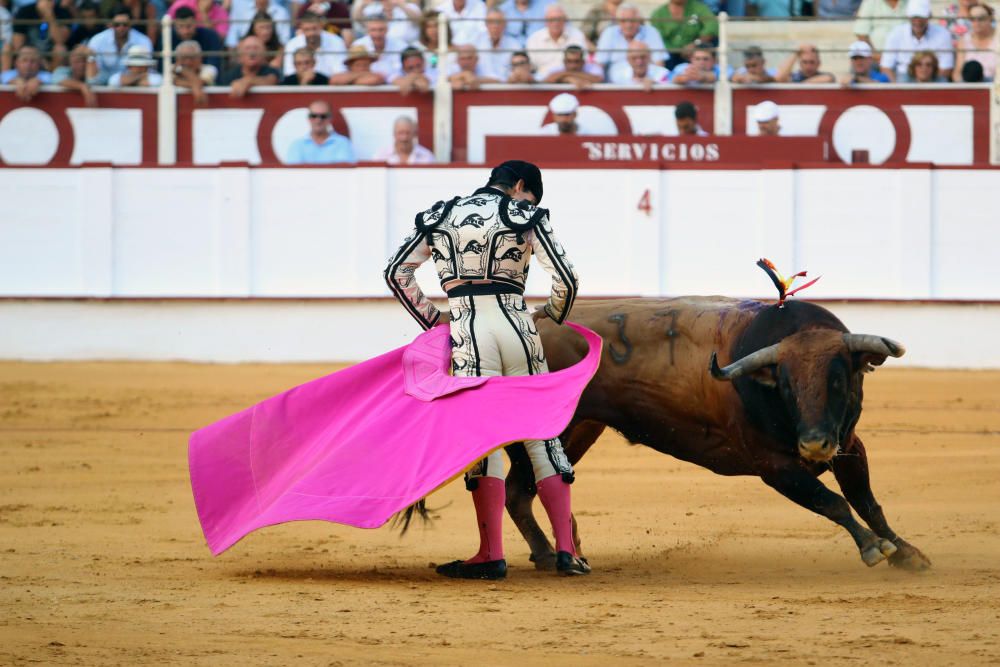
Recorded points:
(493, 334)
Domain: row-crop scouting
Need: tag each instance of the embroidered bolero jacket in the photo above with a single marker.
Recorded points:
(485, 239)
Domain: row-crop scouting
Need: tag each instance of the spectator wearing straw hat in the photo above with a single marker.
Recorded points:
(564, 121)
(138, 72)
(918, 35)
(359, 72)
(861, 70)
(387, 49)
(767, 115)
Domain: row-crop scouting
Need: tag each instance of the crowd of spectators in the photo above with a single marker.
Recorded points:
(247, 43)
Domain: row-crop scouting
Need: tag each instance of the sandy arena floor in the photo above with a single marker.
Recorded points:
(102, 559)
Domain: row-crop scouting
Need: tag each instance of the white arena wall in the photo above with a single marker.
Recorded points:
(277, 264)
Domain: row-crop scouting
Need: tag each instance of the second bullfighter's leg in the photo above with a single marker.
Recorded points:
(851, 470)
(798, 485)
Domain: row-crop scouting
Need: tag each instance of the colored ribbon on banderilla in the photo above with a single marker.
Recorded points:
(782, 283)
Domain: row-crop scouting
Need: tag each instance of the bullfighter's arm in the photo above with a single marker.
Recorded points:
(399, 276)
(552, 257)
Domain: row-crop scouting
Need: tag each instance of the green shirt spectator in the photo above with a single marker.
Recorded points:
(681, 22)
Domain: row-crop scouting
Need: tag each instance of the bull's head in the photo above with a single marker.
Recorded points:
(817, 374)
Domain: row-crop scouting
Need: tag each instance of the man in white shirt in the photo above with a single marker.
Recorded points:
(405, 23)
(613, 43)
(495, 46)
(329, 48)
(405, 149)
(242, 14)
(388, 50)
(919, 35)
(637, 68)
(111, 46)
(563, 107)
(546, 46)
(465, 19)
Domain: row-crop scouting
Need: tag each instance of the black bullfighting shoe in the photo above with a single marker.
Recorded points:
(491, 569)
(569, 565)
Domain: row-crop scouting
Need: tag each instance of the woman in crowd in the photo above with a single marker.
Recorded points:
(207, 13)
(923, 68)
(262, 26)
(429, 39)
(979, 44)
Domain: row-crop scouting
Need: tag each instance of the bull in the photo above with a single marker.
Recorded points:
(738, 387)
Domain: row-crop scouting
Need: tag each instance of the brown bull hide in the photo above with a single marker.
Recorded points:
(654, 386)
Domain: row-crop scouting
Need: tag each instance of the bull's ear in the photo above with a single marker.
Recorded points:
(866, 362)
(766, 376)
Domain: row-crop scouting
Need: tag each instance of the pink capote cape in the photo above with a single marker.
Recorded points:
(361, 444)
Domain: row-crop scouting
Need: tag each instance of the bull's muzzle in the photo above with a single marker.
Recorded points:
(818, 449)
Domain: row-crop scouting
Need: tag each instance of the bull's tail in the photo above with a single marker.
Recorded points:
(403, 518)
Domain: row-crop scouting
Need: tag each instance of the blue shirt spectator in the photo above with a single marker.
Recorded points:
(322, 145)
(524, 18)
(111, 46)
(612, 46)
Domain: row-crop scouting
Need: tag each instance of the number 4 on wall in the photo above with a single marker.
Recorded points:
(644, 203)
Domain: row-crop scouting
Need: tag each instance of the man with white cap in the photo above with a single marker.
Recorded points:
(137, 72)
(563, 107)
(919, 35)
(861, 70)
(766, 114)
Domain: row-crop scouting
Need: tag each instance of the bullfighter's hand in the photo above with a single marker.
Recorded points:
(539, 315)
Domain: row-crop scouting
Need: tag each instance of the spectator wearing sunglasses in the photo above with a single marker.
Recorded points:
(322, 145)
(111, 46)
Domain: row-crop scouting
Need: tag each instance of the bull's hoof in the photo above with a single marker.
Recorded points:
(545, 562)
(910, 558)
(877, 552)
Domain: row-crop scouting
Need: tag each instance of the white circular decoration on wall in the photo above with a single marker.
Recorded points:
(292, 125)
(28, 136)
(864, 128)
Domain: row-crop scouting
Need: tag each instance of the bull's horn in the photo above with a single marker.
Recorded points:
(748, 364)
(873, 344)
